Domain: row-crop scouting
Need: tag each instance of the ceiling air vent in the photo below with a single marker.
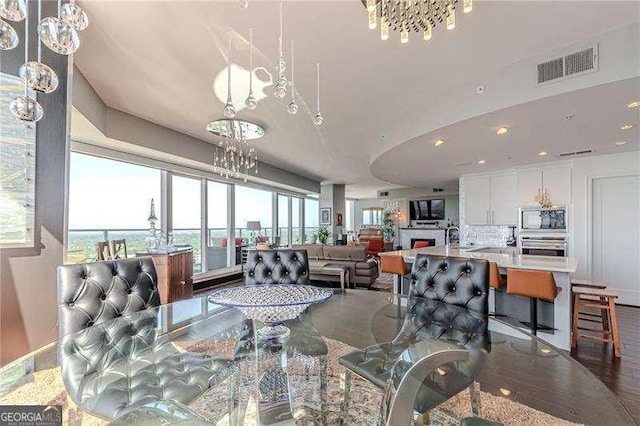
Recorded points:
(550, 70)
(383, 193)
(571, 154)
(571, 65)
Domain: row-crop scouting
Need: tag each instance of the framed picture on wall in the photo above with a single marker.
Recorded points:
(339, 219)
(325, 216)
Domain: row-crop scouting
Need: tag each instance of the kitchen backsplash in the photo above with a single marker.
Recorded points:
(494, 236)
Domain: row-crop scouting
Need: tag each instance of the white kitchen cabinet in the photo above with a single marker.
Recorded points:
(529, 183)
(477, 200)
(504, 207)
(490, 200)
(556, 180)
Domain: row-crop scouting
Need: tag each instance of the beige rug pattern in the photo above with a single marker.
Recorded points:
(46, 388)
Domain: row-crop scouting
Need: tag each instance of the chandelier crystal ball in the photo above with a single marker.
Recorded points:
(8, 36)
(58, 35)
(26, 109)
(251, 103)
(280, 88)
(292, 108)
(73, 15)
(38, 76)
(13, 10)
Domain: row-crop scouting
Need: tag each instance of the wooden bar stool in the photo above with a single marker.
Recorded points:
(600, 318)
(534, 285)
(394, 265)
(603, 300)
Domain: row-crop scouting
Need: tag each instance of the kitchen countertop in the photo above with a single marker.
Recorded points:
(539, 263)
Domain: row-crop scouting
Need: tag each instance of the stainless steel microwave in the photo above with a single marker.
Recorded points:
(543, 219)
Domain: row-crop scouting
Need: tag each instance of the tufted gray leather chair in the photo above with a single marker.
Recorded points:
(452, 280)
(447, 301)
(277, 267)
(111, 356)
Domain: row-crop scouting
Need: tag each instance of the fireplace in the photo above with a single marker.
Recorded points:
(431, 241)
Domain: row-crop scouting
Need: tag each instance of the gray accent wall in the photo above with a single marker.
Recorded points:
(28, 307)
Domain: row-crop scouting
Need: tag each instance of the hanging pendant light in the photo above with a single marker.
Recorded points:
(13, 10)
(73, 15)
(8, 36)
(229, 110)
(251, 103)
(280, 88)
(292, 108)
(23, 107)
(58, 35)
(37, 75)
(318, 119)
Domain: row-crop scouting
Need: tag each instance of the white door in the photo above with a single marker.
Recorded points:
(616, 236)
(529, 183)
(504, 207)
(557, 181)
(477, 199)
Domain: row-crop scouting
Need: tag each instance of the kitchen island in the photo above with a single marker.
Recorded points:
(561, 267)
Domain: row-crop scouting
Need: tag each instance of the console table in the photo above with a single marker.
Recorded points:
(175, 274)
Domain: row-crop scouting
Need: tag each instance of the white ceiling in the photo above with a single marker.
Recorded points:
(158, 60)
(598, 113)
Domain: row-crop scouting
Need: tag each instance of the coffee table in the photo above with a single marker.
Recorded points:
(522, 379)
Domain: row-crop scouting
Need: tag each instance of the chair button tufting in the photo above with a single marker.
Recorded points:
(114, 273)
(294, 258)
(104, 297)
(90, 324)
(70, 304)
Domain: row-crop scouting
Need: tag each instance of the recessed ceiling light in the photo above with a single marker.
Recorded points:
(501, 131)
(626, 127)
(635, 104)
(542, 153)
(482, 161)
(620, 143)
(439, 142)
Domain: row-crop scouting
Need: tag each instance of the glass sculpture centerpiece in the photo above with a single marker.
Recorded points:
(271, 304)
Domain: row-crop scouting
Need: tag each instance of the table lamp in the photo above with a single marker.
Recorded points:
(255, 227)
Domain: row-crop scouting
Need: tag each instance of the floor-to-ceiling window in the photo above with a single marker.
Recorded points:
(283, 219)
(296, 222)
(217, 226)
(311, 217)
(109, 200)
(253, 205)
(186, 215)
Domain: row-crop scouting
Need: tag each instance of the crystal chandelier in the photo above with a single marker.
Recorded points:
(405, 16)
(234, 156)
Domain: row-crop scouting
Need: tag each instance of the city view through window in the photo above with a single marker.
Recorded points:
(94, 216)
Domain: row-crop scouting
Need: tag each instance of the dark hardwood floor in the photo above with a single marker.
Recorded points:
(621, 375)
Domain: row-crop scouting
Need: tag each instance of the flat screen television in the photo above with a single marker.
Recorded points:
(426, 209)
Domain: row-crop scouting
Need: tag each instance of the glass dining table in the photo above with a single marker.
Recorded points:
(302, 380)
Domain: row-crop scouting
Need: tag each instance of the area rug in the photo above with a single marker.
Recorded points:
(384, 282)
(46, 387)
